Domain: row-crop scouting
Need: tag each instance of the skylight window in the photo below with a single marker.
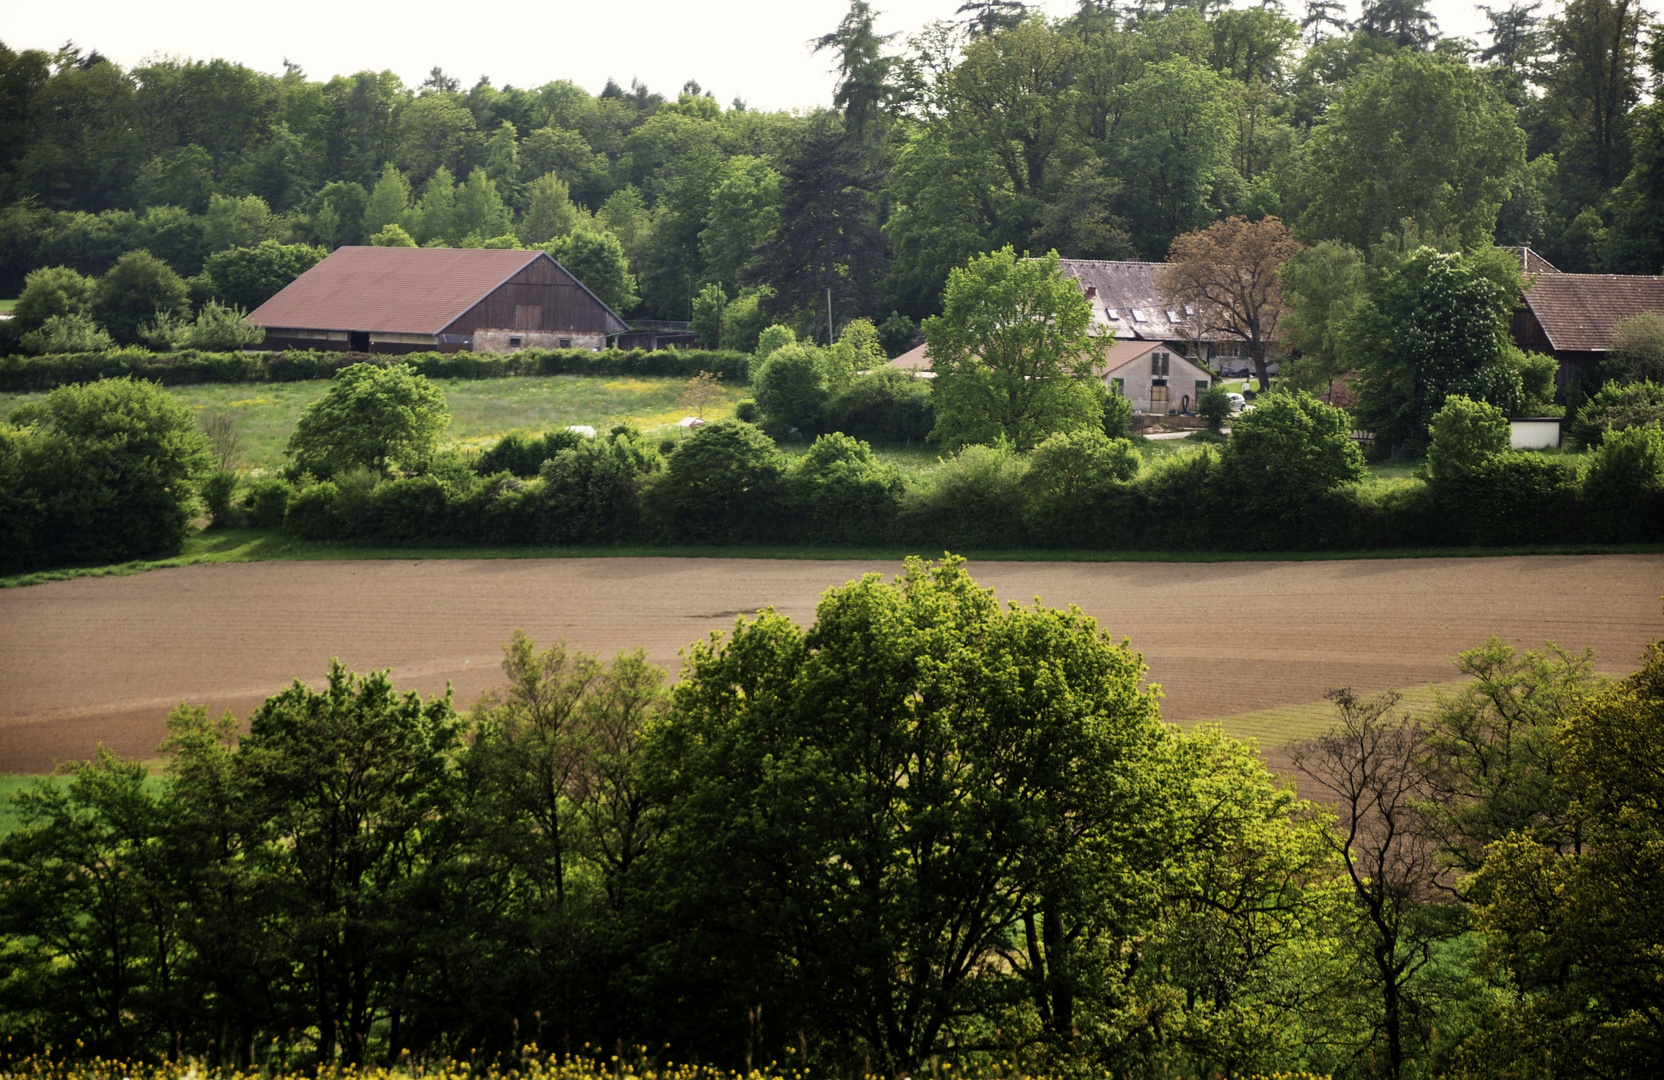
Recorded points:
(1173, 316)
(1112, 314)
(1139, 316)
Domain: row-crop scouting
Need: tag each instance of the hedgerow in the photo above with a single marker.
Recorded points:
(189, 366)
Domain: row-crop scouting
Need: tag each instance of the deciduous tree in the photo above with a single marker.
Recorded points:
(1012, 353)
(1366, 768)
(1230, 275)
(1414, 138)
(370, 416)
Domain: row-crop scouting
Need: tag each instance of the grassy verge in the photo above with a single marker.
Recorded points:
(482, 410)
(1285, 724)
(258, 545)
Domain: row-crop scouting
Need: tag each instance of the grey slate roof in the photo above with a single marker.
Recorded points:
(1125, 301)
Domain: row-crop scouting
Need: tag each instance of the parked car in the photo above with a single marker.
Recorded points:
(1238, 403)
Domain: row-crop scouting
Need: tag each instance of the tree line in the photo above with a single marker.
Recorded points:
(1102, 134)
(927, 828)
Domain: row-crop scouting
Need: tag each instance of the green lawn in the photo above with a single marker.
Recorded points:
(7, 305)
(9, 787)
(482, 410)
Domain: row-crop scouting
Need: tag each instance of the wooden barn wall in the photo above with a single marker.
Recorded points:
(539, 297)
(1527, 332)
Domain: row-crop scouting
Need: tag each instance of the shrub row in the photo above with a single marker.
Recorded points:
(295, 365)
(729, 484)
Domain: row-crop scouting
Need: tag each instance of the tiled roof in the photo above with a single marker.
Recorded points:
(391, 290)
(1125, 301)
(914, 359)
(1531, 262)
(1116, 355)
(1122, 353)
(1578, 311)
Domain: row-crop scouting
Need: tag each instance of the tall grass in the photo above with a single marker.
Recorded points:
(482, 410)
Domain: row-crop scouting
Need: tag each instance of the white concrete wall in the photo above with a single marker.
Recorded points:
(1182, 377)
(496, 341)
(1534, 434)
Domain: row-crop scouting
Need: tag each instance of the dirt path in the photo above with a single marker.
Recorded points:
(94, 660)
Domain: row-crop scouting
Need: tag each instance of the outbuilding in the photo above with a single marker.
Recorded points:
(399, 300)
(1571, 316)
(1156, 379)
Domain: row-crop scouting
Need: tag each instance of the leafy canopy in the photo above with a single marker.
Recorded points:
(370, 416)
(1012, 353)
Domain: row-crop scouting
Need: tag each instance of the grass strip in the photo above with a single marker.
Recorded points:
(1281, 725)
(256, 545)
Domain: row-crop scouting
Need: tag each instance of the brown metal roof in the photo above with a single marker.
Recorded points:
(1578, 311)
(391, 290)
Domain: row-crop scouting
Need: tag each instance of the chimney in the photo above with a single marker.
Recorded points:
(1091, 292)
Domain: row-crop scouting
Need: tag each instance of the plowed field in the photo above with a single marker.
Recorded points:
(103, 660)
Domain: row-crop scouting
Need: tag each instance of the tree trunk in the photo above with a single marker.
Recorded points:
(1057, 964)
(1393, 1021)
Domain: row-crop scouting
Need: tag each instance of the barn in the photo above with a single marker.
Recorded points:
(398, 300)
(1571, 316)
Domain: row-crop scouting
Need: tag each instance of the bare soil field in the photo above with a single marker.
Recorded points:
(92, 661)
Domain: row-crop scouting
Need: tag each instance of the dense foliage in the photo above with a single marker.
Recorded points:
(295, 365)
(370, 417)
(1105, 133)
(105, 472)
(1290, 478)
(928, 832)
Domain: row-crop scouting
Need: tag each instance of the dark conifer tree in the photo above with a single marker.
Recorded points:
(828, 238)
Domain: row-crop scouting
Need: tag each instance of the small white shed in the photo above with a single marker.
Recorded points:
(1534, 433)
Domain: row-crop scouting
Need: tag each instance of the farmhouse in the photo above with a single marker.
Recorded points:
(1570, 316)
(1156, 379)
(398, 300)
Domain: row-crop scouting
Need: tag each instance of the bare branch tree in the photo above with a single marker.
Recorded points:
(1366, 769)
(701, 392)
(1230, 277)
(223, 438)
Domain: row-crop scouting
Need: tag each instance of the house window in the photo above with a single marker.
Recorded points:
(1138, 315)
(1173, 316)
(514, 343)
(1112, 313)
(1159, 362)
(1120, 387)
(566, 343)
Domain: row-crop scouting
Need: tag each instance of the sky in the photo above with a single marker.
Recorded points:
(756, 50)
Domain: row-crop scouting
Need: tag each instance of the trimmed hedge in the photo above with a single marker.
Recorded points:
(296, 365)
(729, 484)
